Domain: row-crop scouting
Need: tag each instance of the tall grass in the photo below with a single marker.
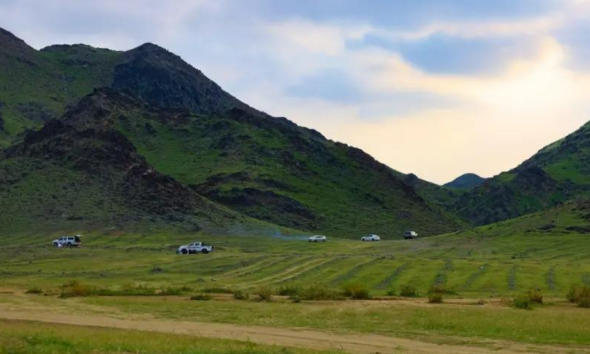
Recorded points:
(580, 295)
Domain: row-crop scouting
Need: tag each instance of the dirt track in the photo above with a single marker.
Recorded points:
(355, 343)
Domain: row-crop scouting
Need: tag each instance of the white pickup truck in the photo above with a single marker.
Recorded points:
(68, 241)
(195, 247)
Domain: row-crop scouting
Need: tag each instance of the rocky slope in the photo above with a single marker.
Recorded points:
(190, 130)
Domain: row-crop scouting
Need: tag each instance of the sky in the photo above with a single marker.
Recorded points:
(432, 87)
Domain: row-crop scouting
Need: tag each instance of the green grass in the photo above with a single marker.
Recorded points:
(28, 338)
(491, 261)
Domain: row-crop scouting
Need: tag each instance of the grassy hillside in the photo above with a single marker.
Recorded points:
(555, 174)
(79, 173)
(272, 170)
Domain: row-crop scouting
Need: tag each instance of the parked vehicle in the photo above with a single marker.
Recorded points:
(408, 235)
(370, 238)
(317, 238)
(195, 247)
(68, 241)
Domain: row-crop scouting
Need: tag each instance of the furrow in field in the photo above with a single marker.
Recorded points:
(512, 278)
(270, 264)
(352, 272)
(586, 279)
(475, 276)
(292, 271)
(246, 266)
(316, 268)
(387, 282)
(551, 278)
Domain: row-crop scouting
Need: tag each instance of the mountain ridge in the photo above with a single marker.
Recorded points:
(187, 128)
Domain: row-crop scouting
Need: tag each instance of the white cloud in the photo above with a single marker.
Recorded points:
(493, 124)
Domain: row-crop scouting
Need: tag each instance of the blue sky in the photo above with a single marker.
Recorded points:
(433, 87)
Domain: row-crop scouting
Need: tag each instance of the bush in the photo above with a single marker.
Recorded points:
(441, 289)
(435, 298)
(318, 293)
(201, 297)
(408, 291)
(535, 296)
(171, 291)
(579, 294)
(289, 290)
(264, 293)
(390, 292)
(356, 292)
(76, 289)
(34, 290)
(241, 295)
(523, 302)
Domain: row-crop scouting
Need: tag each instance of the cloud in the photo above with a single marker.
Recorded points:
(431, 87)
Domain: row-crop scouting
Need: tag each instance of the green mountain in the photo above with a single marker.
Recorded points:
(217, 151)
(557, 173)
(80, 173)
(466, 181)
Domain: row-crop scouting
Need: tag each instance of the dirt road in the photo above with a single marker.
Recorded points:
(354, 343)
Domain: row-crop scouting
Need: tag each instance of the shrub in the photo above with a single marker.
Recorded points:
(201, 297)
(76, 289)
(408, 291)
(241, 295)
(264, 293)
(34, 290)
(535, 296)
(435, 298)
(390, 292)
(441, 289)
(356, 292)
(289, 290)
(523, 302)
(580, 295)
(318, 293)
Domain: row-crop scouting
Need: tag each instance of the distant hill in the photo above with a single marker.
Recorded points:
(557, 173)
(205, 148)
(466, 181)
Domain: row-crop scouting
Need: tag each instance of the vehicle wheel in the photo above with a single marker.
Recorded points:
(363, 240)
(205, 251)
(184, 251)
(55, 244)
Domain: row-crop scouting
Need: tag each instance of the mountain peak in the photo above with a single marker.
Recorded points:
(466, 181)
(12, 45)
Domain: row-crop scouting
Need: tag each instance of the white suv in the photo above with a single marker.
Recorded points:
(68, 241)
(370, 238)
(317, 238)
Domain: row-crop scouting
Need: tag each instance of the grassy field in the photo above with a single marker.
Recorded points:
(492, 261)
(483, 267)
(25, 338)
